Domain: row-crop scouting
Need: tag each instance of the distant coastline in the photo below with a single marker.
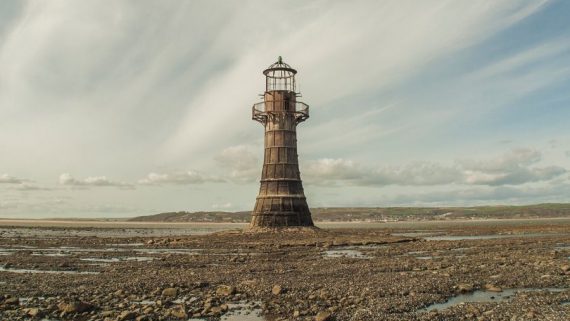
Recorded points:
(379, 214)
(347, 215)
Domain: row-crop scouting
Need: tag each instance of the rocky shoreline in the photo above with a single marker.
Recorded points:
(348, 274)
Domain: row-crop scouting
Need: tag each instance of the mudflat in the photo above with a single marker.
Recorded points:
(428, 270)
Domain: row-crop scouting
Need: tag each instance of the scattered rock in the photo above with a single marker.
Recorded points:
(464, 287)
(75, 307)
(225, 290)
(12, 301)
(277, 289)
(493, 288)
(33, 312)
(323, 316)
(170, 292)
(179, 312)
(127, 315)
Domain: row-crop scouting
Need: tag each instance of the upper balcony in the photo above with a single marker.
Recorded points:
(261, 113)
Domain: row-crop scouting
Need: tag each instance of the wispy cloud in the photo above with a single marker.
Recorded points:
(7, 179)
(513, 168)
(67, 179)
(241, 161)
(178, 178)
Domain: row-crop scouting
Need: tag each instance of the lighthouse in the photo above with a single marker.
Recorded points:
(281, 201)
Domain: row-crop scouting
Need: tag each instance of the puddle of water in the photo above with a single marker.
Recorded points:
(461, 249)
(127, 244)
(50, 254)
(146, 302)
(119, 259)
(243, 312)
(414, 234)
(24, 271)
(346, 253)
(488, 237)
(484, 296)
(169, 251)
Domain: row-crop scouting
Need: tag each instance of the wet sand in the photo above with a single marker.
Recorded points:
(510, 269)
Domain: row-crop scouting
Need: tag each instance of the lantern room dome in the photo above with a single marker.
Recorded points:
(279, 69)
(280, 76)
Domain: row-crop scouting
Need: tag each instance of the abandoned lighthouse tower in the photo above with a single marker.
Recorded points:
(281, 201)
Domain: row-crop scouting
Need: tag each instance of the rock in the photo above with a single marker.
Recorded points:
(107, 313)
(170, 292)
(323, 316)
(565, 268)
(277, 289)
(216, 310)
(179, 312)
(493, 288)
(12, 301)
(225, 290)
(127, 315)
(464, 287)
(33, 312)
(75, 307)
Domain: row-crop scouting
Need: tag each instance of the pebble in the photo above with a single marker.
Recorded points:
(323, 316)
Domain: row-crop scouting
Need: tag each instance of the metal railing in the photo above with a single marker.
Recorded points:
(261, 114)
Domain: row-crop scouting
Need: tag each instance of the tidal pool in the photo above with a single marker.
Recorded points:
(488, 237)
(484, 296)
(24, 271)
(346, 253)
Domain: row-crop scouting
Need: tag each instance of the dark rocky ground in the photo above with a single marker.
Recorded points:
(370, 274)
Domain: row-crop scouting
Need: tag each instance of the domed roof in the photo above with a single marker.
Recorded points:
(279, 70)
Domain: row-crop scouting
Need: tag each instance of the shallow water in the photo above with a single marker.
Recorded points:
(350, 253)
(489, 237)
(484, 296)
(24, 271)
(243, 312)
(119, 259)
(169, 251)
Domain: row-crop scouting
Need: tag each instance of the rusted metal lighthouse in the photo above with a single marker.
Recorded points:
(281, 201)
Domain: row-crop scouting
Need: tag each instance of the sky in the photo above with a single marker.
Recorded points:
(127, 108)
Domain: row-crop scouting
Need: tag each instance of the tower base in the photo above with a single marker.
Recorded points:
(280, 219)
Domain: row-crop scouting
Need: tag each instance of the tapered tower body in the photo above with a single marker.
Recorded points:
(281, 201)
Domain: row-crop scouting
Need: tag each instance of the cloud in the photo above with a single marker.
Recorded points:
(513, 168)
(510, 169)
(94, 181)
(7, 179)
(567, 153)
(222, 206)
(179, 178)
(32, 187)
(244, 165)
(483, 195)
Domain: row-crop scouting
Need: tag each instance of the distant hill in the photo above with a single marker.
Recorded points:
(349, 214)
